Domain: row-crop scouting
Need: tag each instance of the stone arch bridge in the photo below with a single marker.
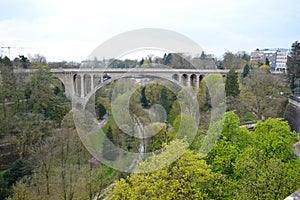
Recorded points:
(79, 82)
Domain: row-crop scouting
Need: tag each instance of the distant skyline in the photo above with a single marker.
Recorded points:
(71, 30)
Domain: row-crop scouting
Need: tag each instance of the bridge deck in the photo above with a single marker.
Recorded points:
(139, 70)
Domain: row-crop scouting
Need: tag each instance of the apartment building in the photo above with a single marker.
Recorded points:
(281, 60)
(276, 58)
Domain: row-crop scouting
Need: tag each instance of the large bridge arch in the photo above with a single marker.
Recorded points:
(59, 85)
(67, 80)
(116, 77)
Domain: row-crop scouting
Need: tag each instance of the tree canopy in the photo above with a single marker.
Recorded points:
(232, 85)
(293, 62)
(243, 164)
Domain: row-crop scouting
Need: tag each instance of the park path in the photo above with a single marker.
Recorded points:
(100, 125)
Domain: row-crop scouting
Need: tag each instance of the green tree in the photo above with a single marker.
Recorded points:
(100, 110)
(265, 67)
(246, 70)
(174, 112)
(25, 61)
(293, 65)
(187, 178)
(108, 151)
(274, 138)
(18, 170)
(292, 82)
(160, 136)
(141, 62)
(144, 100)
(293, 62)
(167, 59)
(257, 165)
(42, 99)
(21, 192)
(232, 85)
(152, 92)
(261, 178)
(8, 83)
(164, 100)
(267, 62)
(231, 140)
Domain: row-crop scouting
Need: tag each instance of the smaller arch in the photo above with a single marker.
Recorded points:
(77, 84)
(193, 79)
(201, 77)
(184, 79)
(175, 77)
(74, 84)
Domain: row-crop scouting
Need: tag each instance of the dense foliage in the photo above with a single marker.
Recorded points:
(225, 161)
(293, 64)
(232, 85)
(242, 165)
(32, 107)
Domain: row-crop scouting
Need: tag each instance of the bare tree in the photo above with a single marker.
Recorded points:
(261, 94)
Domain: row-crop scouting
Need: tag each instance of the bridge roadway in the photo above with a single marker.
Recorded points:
(80, 81)
(145, 70)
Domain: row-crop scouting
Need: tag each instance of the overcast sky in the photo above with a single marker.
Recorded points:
(70, 30)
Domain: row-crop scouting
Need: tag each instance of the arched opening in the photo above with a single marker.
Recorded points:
(58, 86)
(193, 80)
(184, 79)
(74, 84)
(201, 78)
(175, 77)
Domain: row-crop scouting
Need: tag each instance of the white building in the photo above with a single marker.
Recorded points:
(281, 60)
(277, 58)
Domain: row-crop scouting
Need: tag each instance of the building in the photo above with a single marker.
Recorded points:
(256, 58)
(276, 58)
(94, 63)
(270, 58)
(281, 60)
